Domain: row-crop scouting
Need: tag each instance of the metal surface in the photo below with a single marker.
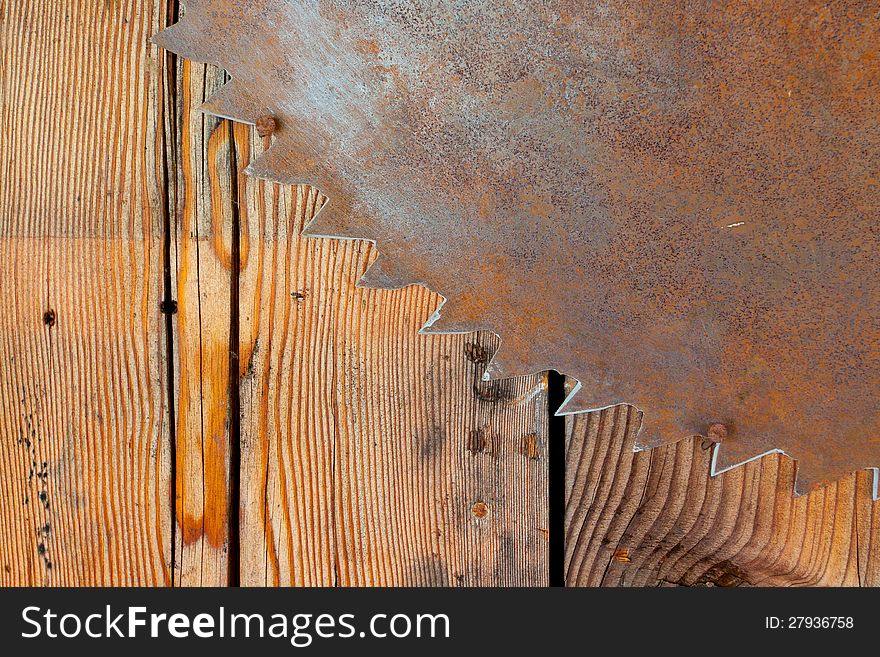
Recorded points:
(675, 203)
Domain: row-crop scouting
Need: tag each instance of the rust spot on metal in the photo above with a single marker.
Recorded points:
(674, 203)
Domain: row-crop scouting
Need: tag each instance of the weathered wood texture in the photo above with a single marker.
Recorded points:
(370, 455)
(656, 517)
(203, 274)
(84, 450)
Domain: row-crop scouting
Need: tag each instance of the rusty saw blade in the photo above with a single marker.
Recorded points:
(674, 203)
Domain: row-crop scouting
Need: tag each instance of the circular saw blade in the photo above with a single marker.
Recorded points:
(673, 203)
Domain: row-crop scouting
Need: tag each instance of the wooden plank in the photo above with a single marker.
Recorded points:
(372, 455)
(657, 517)
(84, 450)
(203, 272)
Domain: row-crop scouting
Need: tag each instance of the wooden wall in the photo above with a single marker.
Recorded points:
(280, 426)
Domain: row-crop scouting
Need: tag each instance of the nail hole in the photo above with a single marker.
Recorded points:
(49, 318)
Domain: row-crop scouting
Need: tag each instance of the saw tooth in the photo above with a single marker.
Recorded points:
(731, 454)
(232, 102)
(283, 165)
(576, 401)
(509, 361)
(331, 221)
(810, 476)
(806, 479)
(448, 319)
(384, 274)
(583, 399)
(186, 39)
(288, 165)
(500, 366)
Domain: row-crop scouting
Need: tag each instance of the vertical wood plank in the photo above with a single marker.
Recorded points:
(372, 455)
(84, 451)
(203, 270)
(656, 517)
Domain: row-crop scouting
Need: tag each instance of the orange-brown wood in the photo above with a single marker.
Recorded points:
(203, 271)
(84, 449)
(656, 517)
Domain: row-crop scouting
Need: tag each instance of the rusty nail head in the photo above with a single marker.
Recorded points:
(480, 509)
(717, 432)
(265, 125)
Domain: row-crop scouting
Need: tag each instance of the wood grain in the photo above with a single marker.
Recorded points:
(84, 453)
(203, 273)
(372, 455)
(656, 517)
